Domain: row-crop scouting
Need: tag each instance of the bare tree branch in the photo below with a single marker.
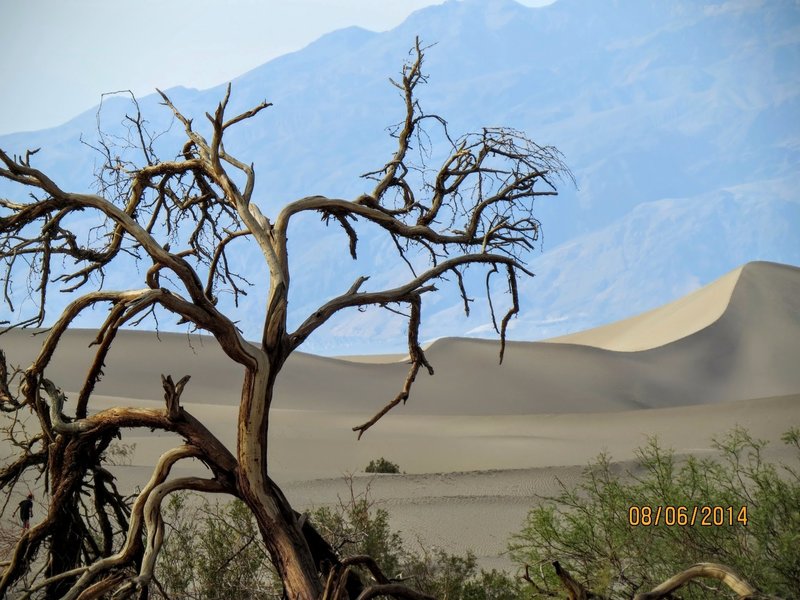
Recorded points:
(175, 221)
(418, 360)
(700, 570)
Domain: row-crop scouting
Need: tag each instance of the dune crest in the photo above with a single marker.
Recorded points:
(748, 352)
(662, 325)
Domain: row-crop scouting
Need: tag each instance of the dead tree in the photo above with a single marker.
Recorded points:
(577, 591)
(179, 218)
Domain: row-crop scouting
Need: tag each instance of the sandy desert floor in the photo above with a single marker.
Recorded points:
(471, 480)
(481, 442)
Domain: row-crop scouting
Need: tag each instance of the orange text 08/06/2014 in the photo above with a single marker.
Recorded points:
(687, 516)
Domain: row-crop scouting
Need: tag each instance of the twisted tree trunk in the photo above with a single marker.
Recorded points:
(280, 529)
(67, 533)
(477, 210)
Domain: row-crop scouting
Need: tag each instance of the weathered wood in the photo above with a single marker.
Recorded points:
(701, 570)
(478, 211)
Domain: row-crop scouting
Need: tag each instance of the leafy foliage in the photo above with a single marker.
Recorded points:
(444, 575)
(354, 527)
(213, 552)
(119, 454)
(588, 527)
(357, 527)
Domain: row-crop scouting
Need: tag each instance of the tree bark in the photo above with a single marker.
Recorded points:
(711, 570)
(276, 520)
(66, 533)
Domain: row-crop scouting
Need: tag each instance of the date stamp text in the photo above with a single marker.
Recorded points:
(687, 516)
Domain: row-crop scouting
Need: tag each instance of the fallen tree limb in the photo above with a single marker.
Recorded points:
(708, 570)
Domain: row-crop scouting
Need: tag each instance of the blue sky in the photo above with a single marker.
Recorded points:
(57, 57)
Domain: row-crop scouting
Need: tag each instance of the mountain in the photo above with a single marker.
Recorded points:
(678, 118)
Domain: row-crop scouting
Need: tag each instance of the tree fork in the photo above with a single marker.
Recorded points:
(178, 219)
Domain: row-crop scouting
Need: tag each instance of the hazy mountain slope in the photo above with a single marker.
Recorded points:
(679, 119)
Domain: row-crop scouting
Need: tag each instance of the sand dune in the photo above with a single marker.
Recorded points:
(662, 325)
(748, 352)
(482, 440)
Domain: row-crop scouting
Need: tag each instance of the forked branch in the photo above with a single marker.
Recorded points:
(176, 221)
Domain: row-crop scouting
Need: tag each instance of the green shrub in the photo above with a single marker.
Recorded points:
(119, 454)
(382, 466)
(587, 528)
(443, 575)
(212, 552)
(357, 527)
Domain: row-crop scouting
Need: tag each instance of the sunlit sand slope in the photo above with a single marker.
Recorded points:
(664, 324)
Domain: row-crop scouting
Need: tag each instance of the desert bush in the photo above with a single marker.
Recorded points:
(444, 575)
(588, 528)
(212, 551)
(119, 454)
(382, 466)
(357, 527)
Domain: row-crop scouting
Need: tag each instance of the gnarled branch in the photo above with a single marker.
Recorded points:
(701, 570)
